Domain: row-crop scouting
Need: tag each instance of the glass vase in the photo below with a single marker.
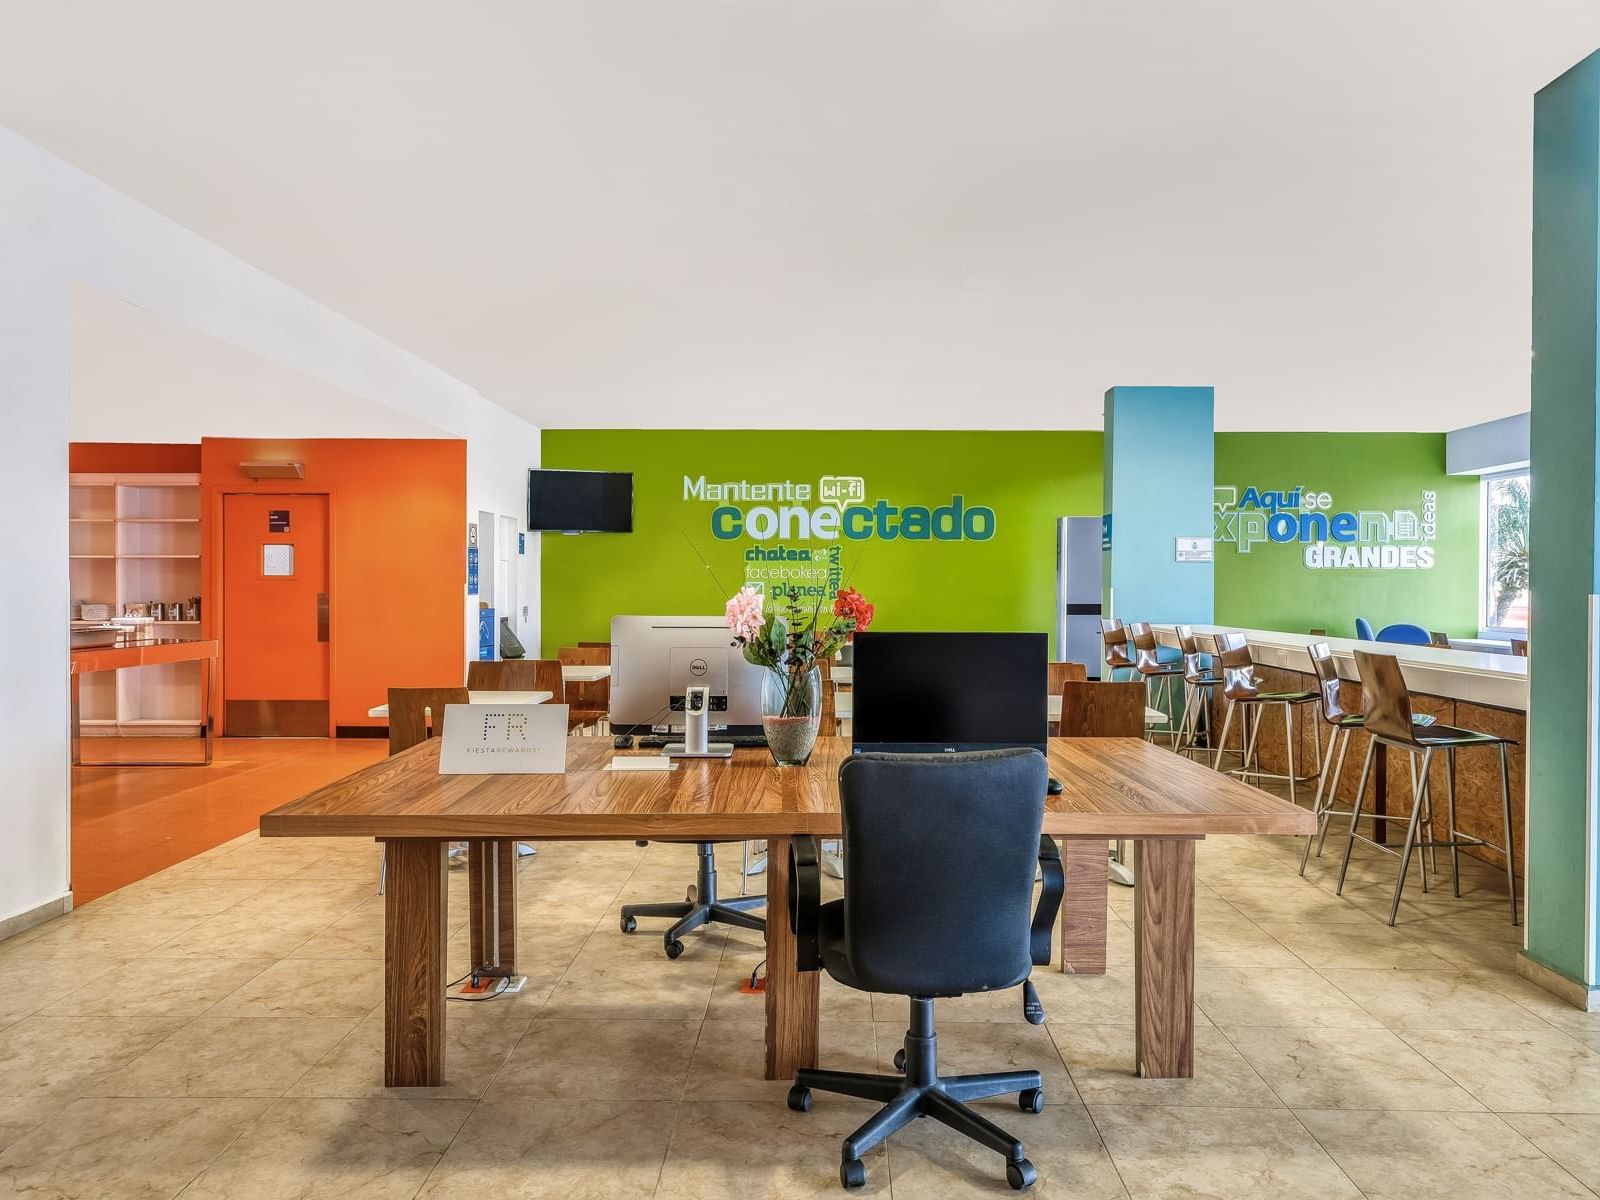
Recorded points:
(791, 713)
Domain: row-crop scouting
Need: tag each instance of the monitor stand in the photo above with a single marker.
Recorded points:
(712, 750)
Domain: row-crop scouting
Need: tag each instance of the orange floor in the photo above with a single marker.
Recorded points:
(129, 822)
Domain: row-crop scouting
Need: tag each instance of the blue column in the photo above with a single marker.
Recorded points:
(1564, 557)
(1159, 479)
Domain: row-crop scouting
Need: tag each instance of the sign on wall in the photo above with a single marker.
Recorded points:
(782, 519)
(1326, 536)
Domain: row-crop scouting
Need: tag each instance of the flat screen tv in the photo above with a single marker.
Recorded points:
(580, 501)
(944, 692)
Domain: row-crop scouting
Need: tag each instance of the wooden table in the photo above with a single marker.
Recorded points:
(1115, 788)
(146, 653)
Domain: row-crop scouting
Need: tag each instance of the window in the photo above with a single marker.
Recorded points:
(1505, 553)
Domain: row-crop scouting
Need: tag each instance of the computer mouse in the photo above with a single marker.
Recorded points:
(622, 741)
(1054, 786)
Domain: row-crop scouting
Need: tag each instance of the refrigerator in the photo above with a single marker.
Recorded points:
(1079, 561)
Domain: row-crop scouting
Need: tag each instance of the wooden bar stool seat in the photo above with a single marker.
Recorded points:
(1247, 694)
(1115, 647)
(1148, 663)
(1199, 682)
(1389, 721)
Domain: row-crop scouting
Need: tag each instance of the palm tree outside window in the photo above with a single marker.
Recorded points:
(1505, 553)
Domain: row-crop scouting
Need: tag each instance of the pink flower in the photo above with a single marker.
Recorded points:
(744, 615)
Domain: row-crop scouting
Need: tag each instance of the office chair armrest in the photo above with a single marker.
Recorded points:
(1054, 885)
(805, 899)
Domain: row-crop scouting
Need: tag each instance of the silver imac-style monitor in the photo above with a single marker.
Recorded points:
(655, 659)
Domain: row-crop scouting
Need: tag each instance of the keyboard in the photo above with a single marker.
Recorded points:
(656, 741)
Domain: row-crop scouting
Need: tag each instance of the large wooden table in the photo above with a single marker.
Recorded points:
(1114, 788)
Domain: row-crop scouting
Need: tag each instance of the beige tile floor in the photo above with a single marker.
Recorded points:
(214, 1031)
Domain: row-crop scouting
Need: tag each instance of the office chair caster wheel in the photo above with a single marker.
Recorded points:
(629, 925)
(900, 1060)
(1031, 1100)
(641, 843)
(800, 1098)
(1021, 1175)
(674, 949)
(852, 1174)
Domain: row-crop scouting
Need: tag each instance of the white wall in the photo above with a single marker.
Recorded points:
(60, 230)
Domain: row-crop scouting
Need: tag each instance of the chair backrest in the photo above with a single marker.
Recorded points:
(1060, 672)
(1385, 699)
(588, 697)
(1519, 647)
(828, 725)
(1102, 708)
(409, 709)
(1442, 640)
(1403, 634)
(516, 675)
(1364, 630)
(1328, 682)
(1146, 653)
(1239, 678)
(1195, 667)
(1114, 639)
(940, 852)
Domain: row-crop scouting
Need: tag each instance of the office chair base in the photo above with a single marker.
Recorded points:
(920, 1092)
(700, 907)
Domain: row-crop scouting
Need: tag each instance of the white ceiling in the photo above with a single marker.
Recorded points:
(862, 214)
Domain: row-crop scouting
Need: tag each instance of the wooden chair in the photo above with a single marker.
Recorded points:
(409, 708)
(1061, 673)
(1441, 640)
(590, 702)
(1102, 709)
(517, 675)
(1519, 647)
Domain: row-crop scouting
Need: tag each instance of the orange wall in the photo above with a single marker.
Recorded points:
(133, 458)
(397, 550)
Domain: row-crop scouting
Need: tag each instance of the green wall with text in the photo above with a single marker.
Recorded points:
(1272, 588)
(1007, 582)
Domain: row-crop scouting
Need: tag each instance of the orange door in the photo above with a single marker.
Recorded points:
(275, 616)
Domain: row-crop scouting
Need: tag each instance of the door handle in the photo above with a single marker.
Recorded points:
(322, 616)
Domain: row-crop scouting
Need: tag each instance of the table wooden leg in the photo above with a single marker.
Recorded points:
(414, 963)
(1083, 906)
(792, 995)
(1163, 929)
(492, 900)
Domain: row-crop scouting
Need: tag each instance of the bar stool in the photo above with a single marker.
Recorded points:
(1116, 647)
(1389, 721)
(1243, 690)
(1342, 723)
(1147, 661)
(1199, 678)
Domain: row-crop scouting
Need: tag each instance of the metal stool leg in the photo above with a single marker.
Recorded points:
(1318, 808)
(1411, 840)
(1450, 815)
(1222, 742)
(1288, 746)
(1418, 793)
(1255, 732)
(1511, 837)
(1355, 813)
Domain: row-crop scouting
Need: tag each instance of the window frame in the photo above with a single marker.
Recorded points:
(1486, 484)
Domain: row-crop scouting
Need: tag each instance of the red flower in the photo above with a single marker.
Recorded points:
(850, 603)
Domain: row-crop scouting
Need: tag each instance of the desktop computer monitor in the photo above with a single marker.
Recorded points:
(944, 692)
(655, 659)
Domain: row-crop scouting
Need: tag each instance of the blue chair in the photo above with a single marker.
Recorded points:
(1364, 630)
(1405, 635)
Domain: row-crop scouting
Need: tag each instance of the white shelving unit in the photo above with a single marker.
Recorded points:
(133, 539)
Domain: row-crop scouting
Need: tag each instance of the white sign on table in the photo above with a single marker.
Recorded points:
(504, 739)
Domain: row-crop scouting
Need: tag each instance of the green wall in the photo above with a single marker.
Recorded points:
(1271, 587)
(1007, 582)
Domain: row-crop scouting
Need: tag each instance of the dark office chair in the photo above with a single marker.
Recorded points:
(941, 851)
(700, 906)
